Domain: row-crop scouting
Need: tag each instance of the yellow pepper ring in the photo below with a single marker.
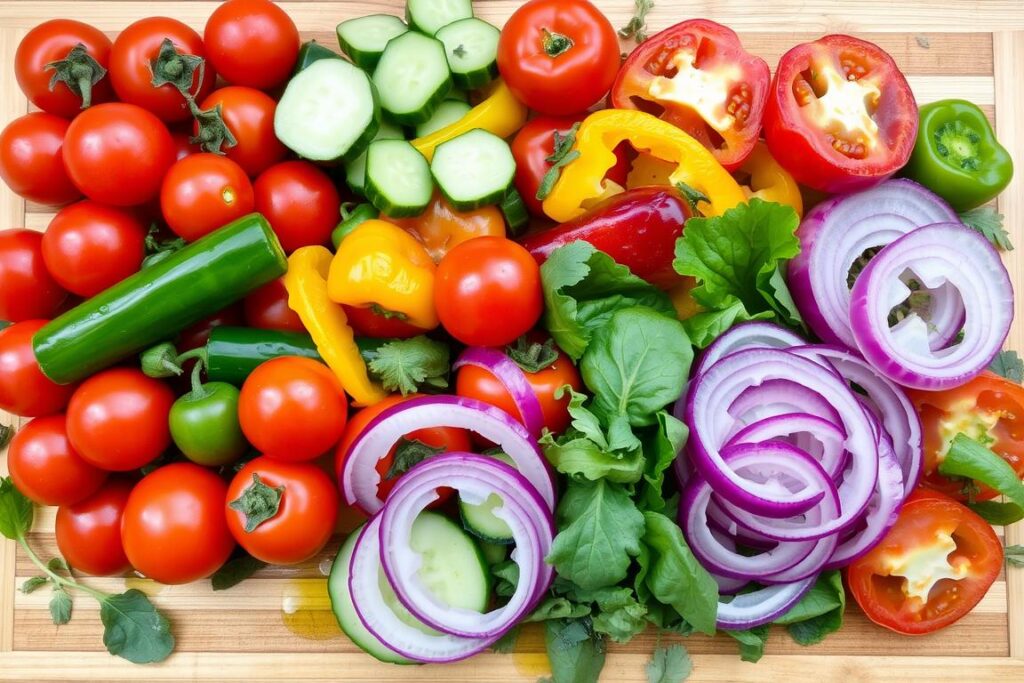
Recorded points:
(306, 282)
(582, 181)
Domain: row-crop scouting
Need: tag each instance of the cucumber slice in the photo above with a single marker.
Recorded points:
(365, 38)
(480, 520)
(412, 78)
(310, 52)
(398, 179)
(471, 46)
(514, 209)
(474, 169)
(329, 111)
(447, 113)
(345, 611)
(355, 170)
(453, 567)
(428, 16)
(458, 95)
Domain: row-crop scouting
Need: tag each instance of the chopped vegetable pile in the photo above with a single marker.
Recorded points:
(702, 360)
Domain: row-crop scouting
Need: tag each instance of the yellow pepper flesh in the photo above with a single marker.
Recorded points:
(501, 113)
(380, 263)
(769, 181)
(582, 181)
(306, 282)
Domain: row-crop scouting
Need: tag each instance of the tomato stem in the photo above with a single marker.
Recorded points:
(56, 578)
(556, 44)
(79, 72)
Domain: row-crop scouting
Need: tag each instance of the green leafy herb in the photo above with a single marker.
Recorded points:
(599, 530)
(6, 434)
(60, 606)
(692, 195)
(532, 356)
(258, 502)
(408, 365)
(575, 651)
(235, 571)
(819, 612)
(15, 511)
(507, 643)
(33, 583)
(619, 615)
(562, 155)
(1014, 555)
(134, 629)
(738, 259)
(637, 26)
(408, 454)
(969, 459)
(57, 564)
(751, 642)
(660, 451)
(583, 288)
(506, 578)
(670, 664)
(989, 223)
(1009, 365)
(558, 607)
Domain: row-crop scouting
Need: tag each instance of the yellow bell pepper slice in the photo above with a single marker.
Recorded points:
(306, 282)
(501, 113)
(769, 181)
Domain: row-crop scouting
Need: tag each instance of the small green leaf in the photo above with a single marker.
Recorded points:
(1008, 364)
(258, 503)
(15, 511)
(819, 612)
(637, 26)
(406, 365)
(33, 583)
(60, 606)
(57, 564)
(134, 629)
(969, 459)
(670, 664)
(989, 223)
(575, 651)
(507, 643)
(235, 571)
(506, 578)
(408, 454)
(751, 642)
(562, 156)
(558, 607)
(1014, 555)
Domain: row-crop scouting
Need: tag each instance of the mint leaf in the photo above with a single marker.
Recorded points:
(635, 365)
(235, 571)
(134, 629)
(583, 287)
(751, 641)
(670, 664)
(15, 511)
(408, 365)
(599, 530)
(819, 612)
(660, 451)
(675, 577)
(969, 459)
(60, 606)
(575, 652)
(989, 223)
(1008, 364)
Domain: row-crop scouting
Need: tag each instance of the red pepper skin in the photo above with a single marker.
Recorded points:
(638, 228)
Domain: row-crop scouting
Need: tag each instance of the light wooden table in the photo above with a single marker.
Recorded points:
(278, 625)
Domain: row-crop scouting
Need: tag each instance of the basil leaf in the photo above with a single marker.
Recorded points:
(134, 629)
(969, 459)
(819, 612)
(15, 511)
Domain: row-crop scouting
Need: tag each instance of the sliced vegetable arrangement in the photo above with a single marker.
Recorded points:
(608, 369)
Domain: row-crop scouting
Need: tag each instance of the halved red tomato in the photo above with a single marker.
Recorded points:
(697, 76)
(988, 409)
(840, 116)
(932, 568)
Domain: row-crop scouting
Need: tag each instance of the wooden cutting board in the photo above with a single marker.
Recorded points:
(278, 625)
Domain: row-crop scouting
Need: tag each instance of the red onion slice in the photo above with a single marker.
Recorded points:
(753, 335)
(763, 606)
(512, 377)
(824, 435)
(359, 476)
(933, 255)
(476, 478)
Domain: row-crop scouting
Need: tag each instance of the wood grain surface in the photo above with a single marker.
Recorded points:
(278, 626)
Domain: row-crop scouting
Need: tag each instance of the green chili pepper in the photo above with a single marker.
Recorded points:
(204, 422)
(234, 352)
(957, 155)
(352, 218)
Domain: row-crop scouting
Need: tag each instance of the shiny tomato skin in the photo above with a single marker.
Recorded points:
(45, 466)
(252, 42)
(366, 323)
(924, 514)
(300, 202)
(173, 529)
(567, 83)
(27, 290)
(31, 159)
(117, 419)
(249, 115)
(475, 382)
(49, 42)
(90, 246)
(89, 532)
(203, 192)
(487, 292)
(535, 142)
(24, 389)
(267, 308)
(448, 438)
(805, 149)
(131, 72)
(118, 154)
(183, 145)
(292, 408)
(989, 408)
(304, 521)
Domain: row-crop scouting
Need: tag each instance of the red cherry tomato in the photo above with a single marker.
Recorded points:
(487, 292)
(89, 246)
(183, 145)
(118, 154)
(252, 42)
(267, 308)
(367, 323)
(197, 335)
(305, 518)
(249, 115)
(117, 419)
(558, 56)
(45, 466)
(31, 161)
(27, 290)
(131, 67)
(51, 42)
(89, 532)
(292, 408)
(174, 530)
(203, 192)
(24, 389)
(300, 202)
